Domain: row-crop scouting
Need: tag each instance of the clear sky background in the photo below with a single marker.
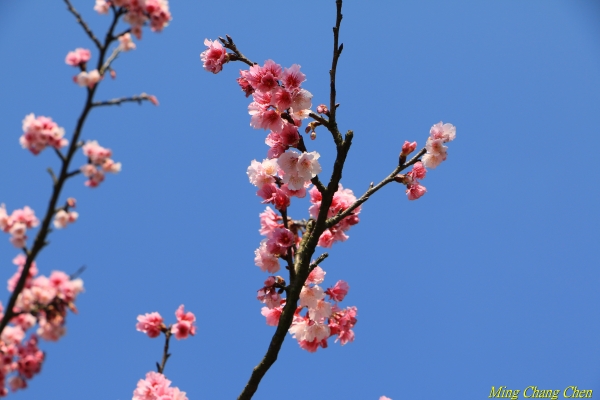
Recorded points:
(490, 279)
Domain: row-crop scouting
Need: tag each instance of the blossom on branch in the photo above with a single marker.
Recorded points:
(214, 57)
(78, 57)
(41, 132)
(156, 387)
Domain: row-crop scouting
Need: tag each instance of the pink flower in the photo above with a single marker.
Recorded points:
(64, 218)
(40, 132)
(88, 79)
(272, 315)
(185, 324)
(157, 387)
(151, 324)
(321, 311)
(99, 162)
(415, 191)
(214, 57)
(384, 398)
(264, 78)
(301, 103)
(408, 148)
(269, 221)
(78, 56)
(266, 261)
(445, 132)
(19, 261)
(281, 239)
(272, 194)
(244, 84)
(338, 291)
(263, 173)
(418, 171)
(310, 296)
(299, 168)
(341, 324)
(317, 275)
(292, 78)
(126, 43)
(102, 6)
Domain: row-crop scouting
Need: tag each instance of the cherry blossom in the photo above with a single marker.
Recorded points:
(17, 224)
(78, 57)
(63, 218)
(185, 324)
(214, 57)
(41, 132)
(88, 79)
(99, 162)
(338, 291)
(151, 324)
(157, 387)
(126, 43)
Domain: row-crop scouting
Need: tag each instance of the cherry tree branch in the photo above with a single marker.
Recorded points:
(117, 102)
(85, 27)
(40, 240)
(310, 238)
(390, 178)
(161, 367)
(237, 55)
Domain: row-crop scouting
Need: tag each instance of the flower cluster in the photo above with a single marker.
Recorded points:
(64, 217)
(88, 79)
(152, 324)
(17, 224)
(214, 57)
(41, 132)
(44, 301)
(322, 319)
(157, 387)
(99, 162)
(342, 200)
(139, 12)
(48, 298)
(78, 57)
(439, 134)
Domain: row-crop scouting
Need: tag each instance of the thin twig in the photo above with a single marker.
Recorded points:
(237, 55)
(85, 27)
(117, 102)
(319, 260)
(372, 189)
(166, 355)
(51, 172)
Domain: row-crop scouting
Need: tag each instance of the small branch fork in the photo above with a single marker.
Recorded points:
(59, 180)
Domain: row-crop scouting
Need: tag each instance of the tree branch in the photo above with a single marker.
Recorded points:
(40, 239)
(117, 102)
(372, 189)
(85, 27)
(310, 238)
(166, 355)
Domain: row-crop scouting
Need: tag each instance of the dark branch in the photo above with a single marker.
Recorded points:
(314, 229)
(372, 189)
(236, 55)
(166, 355)
(40, 240)
(85, 27)
(117, 102)
(319, 260)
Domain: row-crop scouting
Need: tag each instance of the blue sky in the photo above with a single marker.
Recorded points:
(490, 279)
